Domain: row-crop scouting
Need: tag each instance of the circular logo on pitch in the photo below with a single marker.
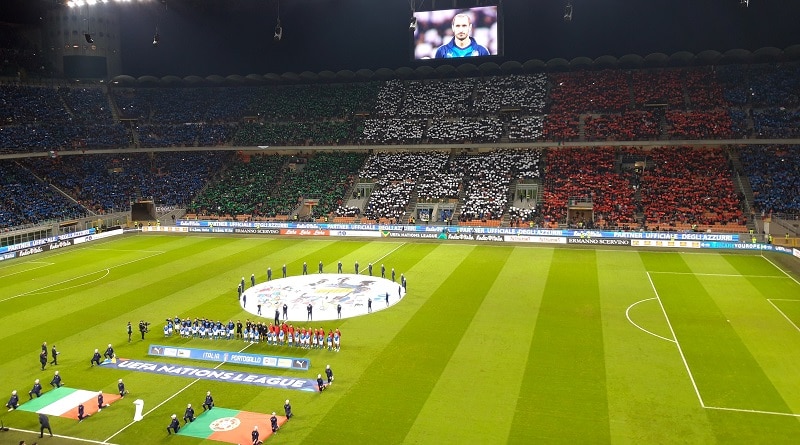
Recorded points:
(225, 424)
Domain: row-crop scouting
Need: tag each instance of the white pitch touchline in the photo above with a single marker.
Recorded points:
(63, 437)
(126, 250)
(168, 399)
(784, 315)
(754, 411)
(28, 270)
(680, 350)
(644, 250)
(727, 275)
(627, 315)
(34, 291)
(777, 267)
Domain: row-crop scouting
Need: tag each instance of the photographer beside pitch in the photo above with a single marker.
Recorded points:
(144, 327)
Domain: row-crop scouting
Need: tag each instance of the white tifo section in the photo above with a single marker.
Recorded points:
(69, 402)
(325, 292)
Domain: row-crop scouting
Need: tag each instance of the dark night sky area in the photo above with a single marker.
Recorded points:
(204, 37)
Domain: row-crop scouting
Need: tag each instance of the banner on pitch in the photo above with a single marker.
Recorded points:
(239, 358)
(271, 381)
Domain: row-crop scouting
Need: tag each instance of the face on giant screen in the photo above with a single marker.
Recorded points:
(450, 33)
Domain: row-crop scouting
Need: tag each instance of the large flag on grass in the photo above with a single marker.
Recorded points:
(63, 402)
(229, 425)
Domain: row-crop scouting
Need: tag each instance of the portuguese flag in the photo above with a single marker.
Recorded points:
(63, 402)
(229, 425)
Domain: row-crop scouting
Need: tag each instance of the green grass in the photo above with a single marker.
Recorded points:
(492, 344)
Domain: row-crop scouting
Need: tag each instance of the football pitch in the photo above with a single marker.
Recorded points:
(491, 344)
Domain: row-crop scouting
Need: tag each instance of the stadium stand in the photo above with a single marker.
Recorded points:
(715, 124)
(244, 188)
(590, 92)
(396, 175)
(587, 174)
(28, 200)
(682, 186)
(656, 87)
(747, 101)
(325, 178)
(487, 178)
(105, 183)
(774, 174)
(628, 126)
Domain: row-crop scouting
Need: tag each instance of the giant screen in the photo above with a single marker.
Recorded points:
(456, 33)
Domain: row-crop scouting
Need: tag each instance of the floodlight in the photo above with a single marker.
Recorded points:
(278, 29)
(413, 25)
(744, 3)
(88, 37)
(156, 38)
(568, 12)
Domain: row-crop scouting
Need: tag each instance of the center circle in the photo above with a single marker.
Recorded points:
(324, 292)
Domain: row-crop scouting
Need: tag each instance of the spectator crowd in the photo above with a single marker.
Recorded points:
(675, 186)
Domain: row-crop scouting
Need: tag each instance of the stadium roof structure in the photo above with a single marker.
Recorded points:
(633, 61)
(234, 37)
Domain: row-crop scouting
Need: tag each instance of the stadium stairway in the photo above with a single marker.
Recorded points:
(505, 219)
(411, 208)
(167, 218)
(790, 226)
(66, 107)
(742, 184)
(112, 105)
(462, 195)
(582, 127)
(66, 195)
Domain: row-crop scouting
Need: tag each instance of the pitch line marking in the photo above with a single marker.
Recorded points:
(126, 250)
(43, 264)
(677, 343)
(726, 275)
(36, 292)
(782, 313)
(167, 400)
(107, 270)
(382, 257)
(689, 371)
(627, 315)
(62, 437)
(26, 262)
(41, 290)
(778, 267)
(753, 411)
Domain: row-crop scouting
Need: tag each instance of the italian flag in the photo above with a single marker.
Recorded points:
(63, 402)
(229, 425)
